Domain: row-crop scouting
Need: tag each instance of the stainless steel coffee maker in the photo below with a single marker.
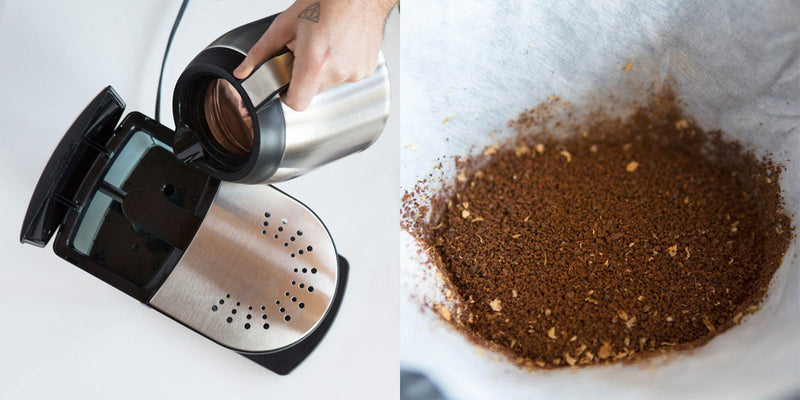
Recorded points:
(166, 218)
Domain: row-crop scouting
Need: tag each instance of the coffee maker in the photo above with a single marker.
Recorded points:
(185, 221)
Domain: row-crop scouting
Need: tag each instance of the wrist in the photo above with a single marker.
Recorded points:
(385, 6)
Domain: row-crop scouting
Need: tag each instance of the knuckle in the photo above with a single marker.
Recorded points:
(299, 106)
(291, 103)
(317, 57)
(366, 73)
(360, 74)
(339, 75)
(260, 47)
(315, 65)
(295, 101)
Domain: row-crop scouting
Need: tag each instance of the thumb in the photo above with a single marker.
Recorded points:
(272, 41)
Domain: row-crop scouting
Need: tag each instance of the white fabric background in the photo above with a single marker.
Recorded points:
(737, 64)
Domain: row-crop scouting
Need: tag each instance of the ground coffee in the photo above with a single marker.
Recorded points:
(626, 239)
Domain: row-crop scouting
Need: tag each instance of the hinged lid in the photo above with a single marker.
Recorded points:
(64, 173)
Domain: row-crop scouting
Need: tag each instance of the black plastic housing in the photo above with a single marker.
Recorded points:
(82, 145)
(75, 174)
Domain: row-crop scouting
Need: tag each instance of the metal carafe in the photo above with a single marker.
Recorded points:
(239, 130)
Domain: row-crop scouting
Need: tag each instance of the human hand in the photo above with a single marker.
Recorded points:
(333, 41)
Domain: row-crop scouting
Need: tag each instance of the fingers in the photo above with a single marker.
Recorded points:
(316, 74)
(272, 41)
(306, 80)
(365, 68)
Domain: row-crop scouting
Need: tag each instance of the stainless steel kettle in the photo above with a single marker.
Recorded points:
(240, 131)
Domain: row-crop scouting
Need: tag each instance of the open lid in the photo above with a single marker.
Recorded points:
(64, 173)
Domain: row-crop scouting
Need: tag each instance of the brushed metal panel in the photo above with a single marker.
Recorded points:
(340, 121)
(235, 262)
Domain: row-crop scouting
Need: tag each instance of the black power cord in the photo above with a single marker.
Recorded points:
(164, 60)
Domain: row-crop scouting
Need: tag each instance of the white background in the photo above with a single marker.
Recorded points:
(64, 333)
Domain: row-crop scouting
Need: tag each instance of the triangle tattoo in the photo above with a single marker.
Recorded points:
(311, 13)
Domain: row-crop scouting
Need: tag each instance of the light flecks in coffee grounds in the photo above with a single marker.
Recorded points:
(645, 235)
(496, 305)
(551, 333)
(444, 311)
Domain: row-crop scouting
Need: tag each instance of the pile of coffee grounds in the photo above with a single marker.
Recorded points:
(627, 239)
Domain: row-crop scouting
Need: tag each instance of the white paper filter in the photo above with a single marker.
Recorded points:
(737, 65)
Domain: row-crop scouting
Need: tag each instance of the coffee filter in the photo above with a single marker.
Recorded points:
(468, 69)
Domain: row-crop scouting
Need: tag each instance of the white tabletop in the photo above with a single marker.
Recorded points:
(64, 333)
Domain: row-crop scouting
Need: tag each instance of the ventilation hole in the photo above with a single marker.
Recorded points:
(313, 270)
(302, 286)
(238, 303)
(310, 289)
(292, 254)
(168, 190)
(277, 302)
(214, 308)
(280, 229)
(299, 233)
(229, 320)
(291, 238)
(295, 270)
(266, 223)
(263, 232)
(276, 236)
(284, 221)
(250, 307)
(266, 326)
(246, 326)
(263, 307)
(301, 305)
(293, 283)
(282, 309)
(266, 214)
(300, 252)
(305, 270)
(287, 318)
(286, 245)
(233, 311)
(286, 294)
(263, 316)
(228, 295)
(249, 316)
(221, 301)
(309, 248)
(294, 299)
